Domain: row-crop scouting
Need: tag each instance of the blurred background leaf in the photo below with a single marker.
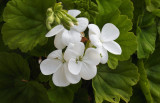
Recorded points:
(15, 85)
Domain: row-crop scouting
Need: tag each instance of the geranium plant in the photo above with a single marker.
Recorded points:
(79, 51)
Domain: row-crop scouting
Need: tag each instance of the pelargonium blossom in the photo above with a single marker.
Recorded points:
(63, 36)
(56, 65)
(80, 63)
(104, 40)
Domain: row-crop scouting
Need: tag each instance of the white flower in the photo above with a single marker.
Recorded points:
(79, 64)
(57, 65)
(63, 36)
(104, 40)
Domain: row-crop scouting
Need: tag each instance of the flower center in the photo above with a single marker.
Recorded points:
(79, 59)
(63, 61)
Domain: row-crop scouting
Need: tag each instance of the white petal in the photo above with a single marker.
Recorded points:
(59, 78)
(70, 77)
(93, 29)
(49, 66)
(71, 36)
(58, 42)
(95, 40)
(109, 32)
(57, 29)
(112, 47)
(88, 71)
(74, 66)
(91, 56)
(74, 13)
(104, 55)
(74, 50)
(82, 24)
(57, 54)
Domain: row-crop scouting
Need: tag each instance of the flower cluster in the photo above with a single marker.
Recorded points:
(79, 61)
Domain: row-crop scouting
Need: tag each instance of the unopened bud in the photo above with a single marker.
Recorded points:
(66, 26)
(49, 12)
(50, 18)
(71, 24)
(57, 20)
(59, 7)
(72, 18)
(59, 15)
(67, 22)
(60, 3)
(76, 23)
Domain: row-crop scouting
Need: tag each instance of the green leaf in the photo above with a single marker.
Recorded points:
(146, 36)
(43, 78)
(81, 96)
(33, 92)
(139, 7)
(127, 40)
(55, 94)
(3, 48)
(137, 96)
(25, 23)
(126, 8)
(44, 50)
(15, 85)
(67, 4)
(105, 7)
(149, 79)
(144, 82)
(158, 27)
(88, 9)
(113, 85)
(153, 6)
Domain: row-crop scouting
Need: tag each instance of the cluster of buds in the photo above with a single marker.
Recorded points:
(57, 15)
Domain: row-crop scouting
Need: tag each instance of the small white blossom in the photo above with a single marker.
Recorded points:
(104, 40)
(80, 64)
(63, 36)
(56, 65)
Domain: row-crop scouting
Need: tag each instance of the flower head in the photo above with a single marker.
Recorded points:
(80, 63)
(104, 40)
(56, 65)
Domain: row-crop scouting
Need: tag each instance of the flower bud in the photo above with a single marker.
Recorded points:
(74, 20)
(57, 20)
(57, 15)
(50, 18)
(66, 26)
(66, 20)
(58, 6)
(76, 23)
(71, 24)
(49, 12)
